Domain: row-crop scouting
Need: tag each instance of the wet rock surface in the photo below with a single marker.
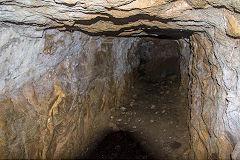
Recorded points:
(156, 116)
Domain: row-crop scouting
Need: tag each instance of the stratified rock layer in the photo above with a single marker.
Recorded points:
(213, 65)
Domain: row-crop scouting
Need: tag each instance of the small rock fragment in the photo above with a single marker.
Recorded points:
(153, 106)
(119, 120)
(132, 104)
(163, 111)
(134, 127)
(151, 121)
(114, 127)
(123, 108)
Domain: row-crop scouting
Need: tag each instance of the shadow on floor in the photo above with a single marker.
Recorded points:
(119, 145)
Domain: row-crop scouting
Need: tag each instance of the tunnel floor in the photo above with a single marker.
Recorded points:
(152, 125)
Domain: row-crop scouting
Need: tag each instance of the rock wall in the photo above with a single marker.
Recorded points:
(184, 60)
(57, 89)
(213, 97)
(214, 61)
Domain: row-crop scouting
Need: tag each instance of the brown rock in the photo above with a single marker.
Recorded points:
(233, 26)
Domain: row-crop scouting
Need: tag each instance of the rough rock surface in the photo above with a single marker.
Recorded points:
(57, 91)
(213, 66)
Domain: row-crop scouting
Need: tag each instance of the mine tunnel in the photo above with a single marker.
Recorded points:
(128, 79)
(152, 122)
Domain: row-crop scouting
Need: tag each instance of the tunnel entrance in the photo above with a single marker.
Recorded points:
(152, 123)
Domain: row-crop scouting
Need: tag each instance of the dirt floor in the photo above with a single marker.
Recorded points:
(152, 125)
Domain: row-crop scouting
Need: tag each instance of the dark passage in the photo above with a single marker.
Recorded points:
(119, 145)
(152, 124)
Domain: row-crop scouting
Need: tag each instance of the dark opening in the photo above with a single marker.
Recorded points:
(159, 60)
(152, 124)
(119, 145)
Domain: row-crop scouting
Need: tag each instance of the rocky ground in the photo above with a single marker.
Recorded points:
(152, 125)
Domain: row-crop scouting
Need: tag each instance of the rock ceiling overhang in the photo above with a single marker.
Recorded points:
(166, 18)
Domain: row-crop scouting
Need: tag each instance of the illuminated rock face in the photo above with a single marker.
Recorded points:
(58, 90)
(57, 87)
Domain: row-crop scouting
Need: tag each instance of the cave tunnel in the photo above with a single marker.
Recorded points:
(153, 117)
(129, 79)
(152, 122)
(128, 95)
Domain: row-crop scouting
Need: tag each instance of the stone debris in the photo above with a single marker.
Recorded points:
(119, 120)
(153, 106)
(123, 109)
(163, 111)
(132, 104)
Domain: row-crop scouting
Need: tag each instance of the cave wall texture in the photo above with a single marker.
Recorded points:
(57, 91)
(44, 70)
